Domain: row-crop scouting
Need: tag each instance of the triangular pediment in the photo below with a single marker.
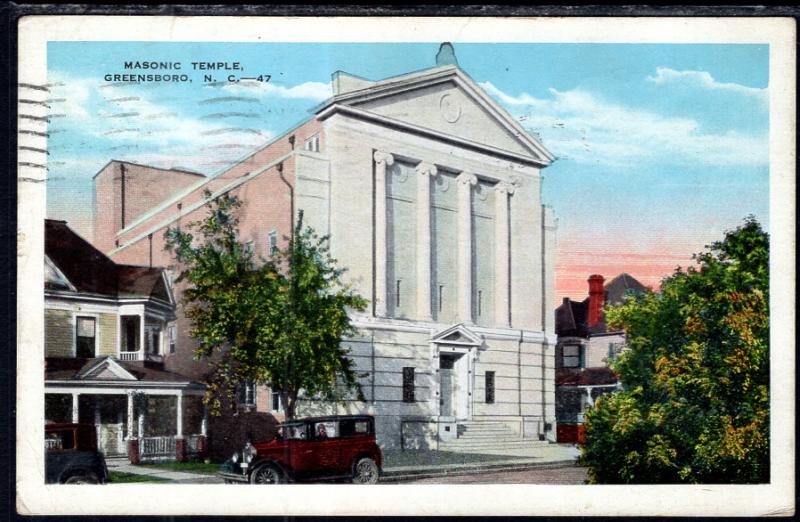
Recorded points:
(459, 335)
(54, 277)
(105, 370)
(447, 101)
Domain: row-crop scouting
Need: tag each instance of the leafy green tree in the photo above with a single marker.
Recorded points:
(695, 408)
(277, 320)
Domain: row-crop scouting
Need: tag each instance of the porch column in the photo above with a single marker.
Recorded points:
(142, 354)
(501, 253)
(465, 182)
(97, 417)
(75, 416)
(204, 422)
(130, 419)
(382, 160)
(179, 415)
(426, 172)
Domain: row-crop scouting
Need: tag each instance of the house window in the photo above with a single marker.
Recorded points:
(312, 143)
(571, 356)
(248, 246)
(85, 337)
(489, 387)
(408, 384)
(614, 350)
(273, 242)
(173, 338)
(276, 402)
(247, 393)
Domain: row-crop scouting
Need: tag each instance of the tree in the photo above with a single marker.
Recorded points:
(278, 320)
(695, 407)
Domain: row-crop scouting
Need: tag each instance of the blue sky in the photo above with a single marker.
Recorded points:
(661, 147)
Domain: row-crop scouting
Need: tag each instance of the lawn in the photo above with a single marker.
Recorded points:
(117, 477)
(189, 467)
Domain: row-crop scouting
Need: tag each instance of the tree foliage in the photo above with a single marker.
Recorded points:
(278, 320)
(695, 407)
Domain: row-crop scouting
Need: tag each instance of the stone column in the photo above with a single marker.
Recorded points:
(465, 182)
(426, 171)
(142, 343)
(502, 251)
(75, 415)
(382, 160)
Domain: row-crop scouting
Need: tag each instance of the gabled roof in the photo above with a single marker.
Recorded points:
(459, 335)
(107, 369)
(85, 269)
(437, 75)
(622, 285)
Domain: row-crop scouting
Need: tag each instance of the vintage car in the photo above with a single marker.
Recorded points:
(71, 455)
(314, 448)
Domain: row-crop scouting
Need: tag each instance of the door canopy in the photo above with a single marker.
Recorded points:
(458, 335)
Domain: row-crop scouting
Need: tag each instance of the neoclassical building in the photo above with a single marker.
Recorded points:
(431, 194)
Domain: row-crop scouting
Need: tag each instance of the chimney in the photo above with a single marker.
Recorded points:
(596, 299)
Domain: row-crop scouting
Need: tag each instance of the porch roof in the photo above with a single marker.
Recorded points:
(78, 370)
(586, 377)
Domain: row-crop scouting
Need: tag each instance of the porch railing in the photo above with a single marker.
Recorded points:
(157, 446)
(130, 356)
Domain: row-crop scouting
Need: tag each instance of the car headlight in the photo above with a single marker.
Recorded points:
(249, 453)
(235, 457)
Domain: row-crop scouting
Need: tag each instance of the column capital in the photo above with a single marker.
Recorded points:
(505, 188)
(383, 157)
(467, 178)
(427, 169)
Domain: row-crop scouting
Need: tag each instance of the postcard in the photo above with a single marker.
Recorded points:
(487, 266)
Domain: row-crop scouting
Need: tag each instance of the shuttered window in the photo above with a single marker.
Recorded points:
(408, 384)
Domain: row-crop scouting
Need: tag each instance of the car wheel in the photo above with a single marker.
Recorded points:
(82, 478)
(365, 471)
(267, 474)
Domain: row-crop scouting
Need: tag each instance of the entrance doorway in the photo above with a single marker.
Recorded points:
(453, 385)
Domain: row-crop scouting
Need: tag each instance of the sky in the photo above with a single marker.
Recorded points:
(660, 148)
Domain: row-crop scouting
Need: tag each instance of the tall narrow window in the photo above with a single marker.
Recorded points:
(247, 393)
(397, 293)
(85, 337)
(276, 401)
(273, 242)
(312, 143)
(408, 384)
(480, 302)
(173, 338)
(441, 294)
(489, 387)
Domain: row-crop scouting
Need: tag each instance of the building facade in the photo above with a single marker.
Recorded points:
(431, 195)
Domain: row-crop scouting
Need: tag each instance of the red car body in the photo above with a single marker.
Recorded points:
(314, 448)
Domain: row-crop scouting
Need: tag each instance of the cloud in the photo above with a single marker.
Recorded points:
(581, 126)
(315, 91)
(703, 80)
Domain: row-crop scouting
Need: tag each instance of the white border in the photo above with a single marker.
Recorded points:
(775, 498)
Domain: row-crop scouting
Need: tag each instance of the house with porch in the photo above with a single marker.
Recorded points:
(108, 327)
(585, 348)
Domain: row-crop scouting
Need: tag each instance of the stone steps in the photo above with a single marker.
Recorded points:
(477, 436)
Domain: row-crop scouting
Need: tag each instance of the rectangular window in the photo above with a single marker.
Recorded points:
(85, 336)
(273, 242)
(312, 143)
(489, 387)
(173, 338)
(441, 294)
(480, 302)
(571, 357)
(276, 402)
(408, 384)
(397, 293)
(247, 393)
(614, 350)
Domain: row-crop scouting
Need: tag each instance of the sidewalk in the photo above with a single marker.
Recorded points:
(177, 477)
(401, 465)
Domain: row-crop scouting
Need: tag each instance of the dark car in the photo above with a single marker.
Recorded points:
(71, 455)
(314, 448)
